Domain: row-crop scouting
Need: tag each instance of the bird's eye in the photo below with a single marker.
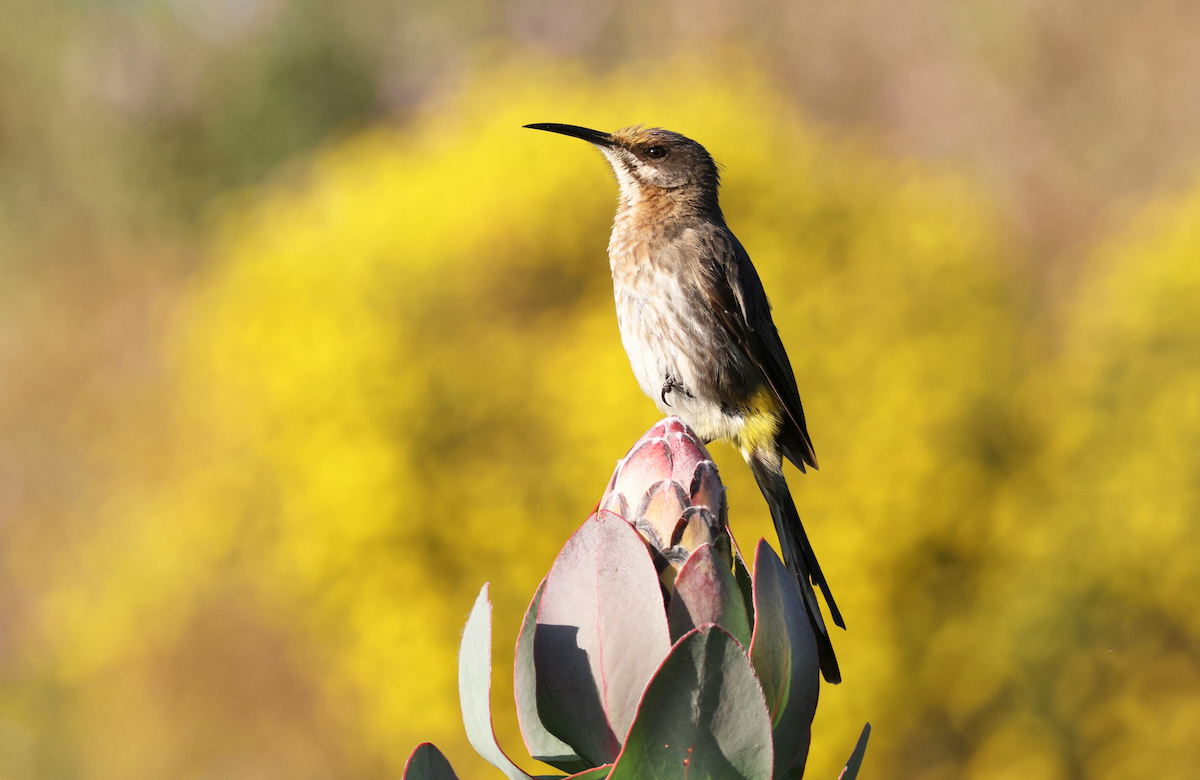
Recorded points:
(656, 152)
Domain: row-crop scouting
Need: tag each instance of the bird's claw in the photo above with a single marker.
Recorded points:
(671, 385)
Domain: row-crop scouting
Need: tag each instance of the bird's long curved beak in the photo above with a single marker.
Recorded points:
(591, 136)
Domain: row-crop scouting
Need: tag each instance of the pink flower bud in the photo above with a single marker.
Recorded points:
(668, 488)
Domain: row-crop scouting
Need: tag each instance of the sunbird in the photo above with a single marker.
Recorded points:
(696, 325)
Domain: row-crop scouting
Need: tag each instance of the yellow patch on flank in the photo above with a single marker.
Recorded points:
(760, 424)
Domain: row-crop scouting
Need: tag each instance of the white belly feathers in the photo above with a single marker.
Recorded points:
(652, 322)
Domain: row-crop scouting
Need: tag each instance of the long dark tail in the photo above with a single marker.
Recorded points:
(799, 557)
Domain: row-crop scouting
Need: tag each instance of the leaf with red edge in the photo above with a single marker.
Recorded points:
(542, 745)
(601, 633)
(702, 716)
(705, 592)
(428, 763)
(784, 653)
(745, 583)
(598, 773)
(850, 771)
(475, 687)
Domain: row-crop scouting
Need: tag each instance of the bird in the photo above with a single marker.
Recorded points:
(696, 325)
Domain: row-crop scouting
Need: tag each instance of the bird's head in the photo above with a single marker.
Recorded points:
(651, 159)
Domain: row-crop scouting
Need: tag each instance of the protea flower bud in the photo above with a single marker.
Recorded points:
(615, 679)
(668, 488)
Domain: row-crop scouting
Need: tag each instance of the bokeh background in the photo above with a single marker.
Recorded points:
(302, 339)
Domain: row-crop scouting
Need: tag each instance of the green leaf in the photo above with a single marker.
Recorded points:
(601, 634)
(542, 745)
(850, 771)
(705, 592)
(475, 687)
(598, 773)
(784, 654)
(428, 763)
(702, 716)
(745, 583)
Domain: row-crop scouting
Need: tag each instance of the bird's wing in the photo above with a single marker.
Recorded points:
(736, 295)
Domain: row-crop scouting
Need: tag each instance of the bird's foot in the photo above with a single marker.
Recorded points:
(671, 385)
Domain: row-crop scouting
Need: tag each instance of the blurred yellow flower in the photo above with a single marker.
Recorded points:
(403, 378)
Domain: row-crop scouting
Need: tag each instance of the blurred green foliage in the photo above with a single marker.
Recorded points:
(399, 376)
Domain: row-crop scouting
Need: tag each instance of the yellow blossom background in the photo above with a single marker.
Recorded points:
(293, 359)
